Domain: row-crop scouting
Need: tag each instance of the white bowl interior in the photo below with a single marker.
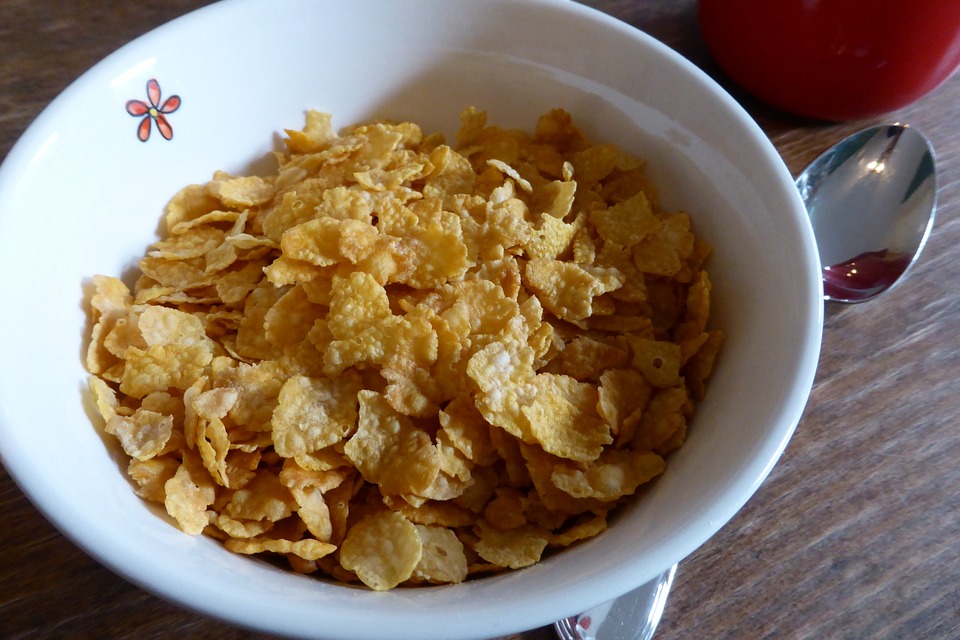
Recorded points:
(80, 195)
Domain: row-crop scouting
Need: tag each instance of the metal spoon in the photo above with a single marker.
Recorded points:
(872, 199)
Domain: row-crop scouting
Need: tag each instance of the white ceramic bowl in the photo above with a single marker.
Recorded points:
(80, 194)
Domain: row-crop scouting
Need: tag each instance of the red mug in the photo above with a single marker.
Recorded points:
(834, 59)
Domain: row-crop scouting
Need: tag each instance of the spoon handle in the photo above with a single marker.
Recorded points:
(634, 616)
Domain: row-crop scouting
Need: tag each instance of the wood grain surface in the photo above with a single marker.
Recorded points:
(855, 534)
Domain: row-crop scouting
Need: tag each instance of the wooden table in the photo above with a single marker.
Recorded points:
(856, 533)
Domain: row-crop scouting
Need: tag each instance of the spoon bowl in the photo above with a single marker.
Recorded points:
(872, 200)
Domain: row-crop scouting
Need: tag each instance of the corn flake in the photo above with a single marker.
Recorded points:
(312, 414)
(383, 549)
(443, 560)
(389, 450)
(186, 497)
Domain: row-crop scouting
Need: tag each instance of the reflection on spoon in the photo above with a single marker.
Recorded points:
(864, 276)
(872, 200)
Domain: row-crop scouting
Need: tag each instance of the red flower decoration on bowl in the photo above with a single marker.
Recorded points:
(153, 111)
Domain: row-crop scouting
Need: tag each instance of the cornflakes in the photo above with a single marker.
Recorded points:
(399, 362)
(382, 566)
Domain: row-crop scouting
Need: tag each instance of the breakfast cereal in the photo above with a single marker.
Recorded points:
(398, 362)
